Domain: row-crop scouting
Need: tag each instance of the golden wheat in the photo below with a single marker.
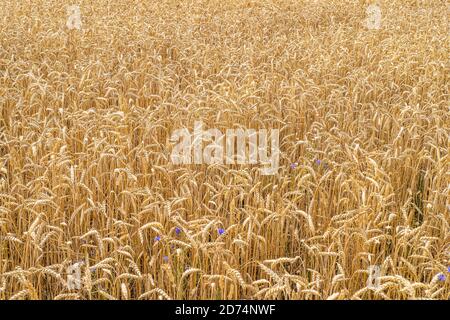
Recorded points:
(86, 118)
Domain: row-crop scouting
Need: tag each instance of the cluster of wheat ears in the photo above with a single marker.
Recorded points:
(86, 118)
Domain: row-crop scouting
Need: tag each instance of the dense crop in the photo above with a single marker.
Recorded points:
(86, 118)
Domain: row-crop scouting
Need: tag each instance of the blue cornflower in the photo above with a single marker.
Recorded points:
(221, 231)
(448, 269)
(294, 165)
(441, 277)
(166, 258)
(177, 230)
(157, 238)
(318, 162)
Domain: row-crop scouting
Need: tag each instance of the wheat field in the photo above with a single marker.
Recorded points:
(86, 118)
